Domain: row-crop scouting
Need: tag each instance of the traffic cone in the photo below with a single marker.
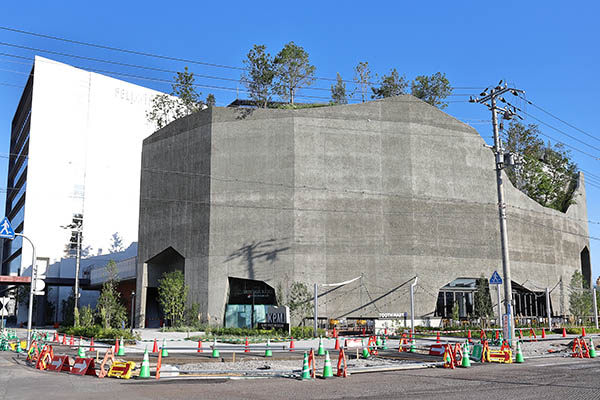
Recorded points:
(365, 351)
(121, 351)
(321, 350)
(18, 347)
(199, 346)
(292, 345)
(56, 340)
(116, 351)
(247, 346)
(583, 331)
(437, 340)
(543, 333)
(305, 369)
(337, 344)
(564, 334)
(413, 346)
(378, 341)
(592, 349)
(64, 341)
(327, 371)
(92, 344)
(335, 334)
(467, 349)
(465, 362)
(72, 341)
(469, 338)
(384, 345)
(215, 351)
(268, 351)
(163, 351)
(155, 347)
(145, 369)
(80, 352)
(519, 358)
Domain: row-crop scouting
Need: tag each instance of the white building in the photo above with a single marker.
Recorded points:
(75, 147)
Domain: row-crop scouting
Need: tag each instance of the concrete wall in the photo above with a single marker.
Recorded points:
(389, 190)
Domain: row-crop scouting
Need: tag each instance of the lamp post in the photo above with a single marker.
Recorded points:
(132, 309)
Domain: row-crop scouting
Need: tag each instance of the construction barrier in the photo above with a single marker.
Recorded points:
(342, 370)
(59, 363)
(121, 369)
(84, 366)
(437, 350)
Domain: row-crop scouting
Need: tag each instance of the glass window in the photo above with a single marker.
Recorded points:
(14, 266)
(16, 199)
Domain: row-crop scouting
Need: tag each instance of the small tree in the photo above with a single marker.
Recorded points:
(293, 71)
(210, 100)
(109, 308)
(580, 297)
(362, 77)
(338, 91)
(86, 318)
(259, 75)
(184, 100)
(300, 302)
(455, 312)
(172, 293)
(390, 85)
(116, 243)
(483, 301)
(432, 89)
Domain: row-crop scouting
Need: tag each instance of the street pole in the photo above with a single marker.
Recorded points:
(316, 311)
(595, 305)
(77, 262)
(132, 310)
(31, 287)
(509, 112)
(548, 311)
(412, 305)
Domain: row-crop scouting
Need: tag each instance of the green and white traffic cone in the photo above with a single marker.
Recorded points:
(215, 351)
(378, 341)
(365, 351)
(268, 351)
(519, 358)
(327, 371)
(18, 347)
(80, 352)
(467, 349)
(163, 351)
(145, 369)
(413, 346)
(465, 362)
(321, 350)
(384, 346)
(592, 349)
(305, 370)
(121, 351)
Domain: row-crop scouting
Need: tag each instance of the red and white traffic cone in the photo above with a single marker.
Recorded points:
(564, 334)
(337, 343)
(543, 333)
(155, 347)
(247, 346)
(437, 340)
(199, 346)
(92, 344)
(292, 345)
(583, 331)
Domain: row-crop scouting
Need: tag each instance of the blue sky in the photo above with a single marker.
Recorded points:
(549, 49)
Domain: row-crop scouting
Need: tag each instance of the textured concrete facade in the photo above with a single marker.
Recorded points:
(389, 189)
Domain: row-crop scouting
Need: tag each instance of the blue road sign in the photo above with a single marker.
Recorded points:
(6, 230)
(495, 279)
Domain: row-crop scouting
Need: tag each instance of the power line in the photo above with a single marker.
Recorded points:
(559, 119)
(170, 58)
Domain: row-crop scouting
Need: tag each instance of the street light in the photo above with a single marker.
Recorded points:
(132, 309)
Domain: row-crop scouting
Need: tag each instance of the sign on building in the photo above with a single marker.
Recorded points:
(276, 318)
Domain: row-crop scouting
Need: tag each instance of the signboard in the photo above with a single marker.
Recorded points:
(6, 230)
(495, 279)
(276, 318)
(7, 307)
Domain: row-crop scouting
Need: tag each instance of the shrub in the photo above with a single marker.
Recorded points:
(98, 332)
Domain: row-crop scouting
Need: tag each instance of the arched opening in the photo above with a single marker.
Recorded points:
(248, 302)
(586, 267)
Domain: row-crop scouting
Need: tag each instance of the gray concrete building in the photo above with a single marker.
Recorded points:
(247, 201)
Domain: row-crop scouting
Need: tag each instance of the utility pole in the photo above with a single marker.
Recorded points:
(31, 287)
(76, 233)
(495, 94)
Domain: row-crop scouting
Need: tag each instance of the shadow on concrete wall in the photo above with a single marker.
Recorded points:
(254, 251)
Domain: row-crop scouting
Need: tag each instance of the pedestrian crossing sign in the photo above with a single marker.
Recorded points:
(495, 279)
(6, 230)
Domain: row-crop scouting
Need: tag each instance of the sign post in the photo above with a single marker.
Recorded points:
(496, 280)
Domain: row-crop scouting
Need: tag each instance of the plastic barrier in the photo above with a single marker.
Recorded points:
(84, 366)
(109, 355)
(436, 350)
(59, 363)
(120, 369)
(342, 370)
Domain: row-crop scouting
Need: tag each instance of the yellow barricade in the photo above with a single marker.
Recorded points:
(121, 370)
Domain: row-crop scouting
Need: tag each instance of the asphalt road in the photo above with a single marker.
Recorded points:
(546, 378)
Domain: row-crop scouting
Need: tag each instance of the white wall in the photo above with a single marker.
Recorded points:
(84, 155)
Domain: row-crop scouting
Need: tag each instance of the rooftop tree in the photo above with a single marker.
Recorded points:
(293, 71)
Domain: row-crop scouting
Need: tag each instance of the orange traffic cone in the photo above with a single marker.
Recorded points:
(64, 341)
(564, 332)
(543, 333)
(155, 347)
(92, 344)
(438, 337)
(247, 346)
(497, 335)
(292, 345)
(337, 344)
(72, 341)
(583, 331)
(335, 332)
(469, 338)
(199, 346)
(116, 345)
